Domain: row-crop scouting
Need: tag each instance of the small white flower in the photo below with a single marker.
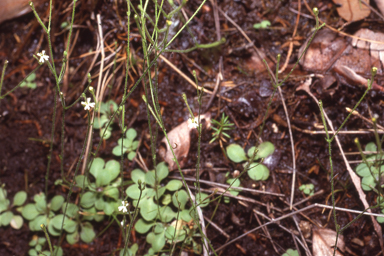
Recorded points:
(122, 223)
(88, 105)
(192, 123)
(42, 56)
(124, 206)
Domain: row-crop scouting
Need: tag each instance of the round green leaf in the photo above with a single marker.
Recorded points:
(174, 185)
(112, 192)
(110, 207)
(167, 199)
(32, 252)
(160, 192)
(371, 146)
(181, 197)
(131, 134)
(258, 172)
(4, 205)
(368, 181)
(150, 178)
(143, 226)
(57, 202)
(148, 209)
(87, 233)
(29, 212)
(100, 203)
(185, 215)
(6, 218)
(72, 210)
(200, 198)
(3, 194)
(73, 238)
(57, 221)
(97, 167)
(137, 175)
(88, 199)
(34, 225)
(265, 149)
(362, 170)
(162, 171)
(52, 230)
(82, 181)
(107, 132)
(117, 149)
(19, 198)
(131, 155)
(133, 191)
(236, 153)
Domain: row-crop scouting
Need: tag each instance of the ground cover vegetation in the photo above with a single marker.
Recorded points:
(252, 160)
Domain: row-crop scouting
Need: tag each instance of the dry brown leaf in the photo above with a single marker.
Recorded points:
(180, 140)
(10, 9)
(380, 5)
(352, 10)
(323, 240)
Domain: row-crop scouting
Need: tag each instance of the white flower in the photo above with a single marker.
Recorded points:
(192, 123)
(122, 222)
(88, 105)
(42, 56)
(124, 206)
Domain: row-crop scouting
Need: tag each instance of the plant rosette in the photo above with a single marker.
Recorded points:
(103, 194)
(106, 110)
(38, 243)
(156, 208)
(130, 251)
(307, 189)
(6, 215)
(371, 170)
(74, 224)
(127, 145)
(41, 213)
(29, 82)
(234, 192)
(291, 252)
(256, 171)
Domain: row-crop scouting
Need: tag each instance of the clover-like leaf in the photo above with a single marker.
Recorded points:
(19, 198)
(166, 214)
(236, 153)
(82, 181)
(156, 240)
(142, 226)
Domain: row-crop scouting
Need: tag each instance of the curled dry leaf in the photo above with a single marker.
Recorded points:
(10, 9)
(352, 10)
(323, 240)
(180, 140)
(351, 59)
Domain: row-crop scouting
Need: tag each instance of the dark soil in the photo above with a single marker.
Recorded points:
(26, 120)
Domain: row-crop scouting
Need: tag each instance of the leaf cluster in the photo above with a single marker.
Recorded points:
(128, 144)
(106, 111)
(156, 204)
(256, 171)
(6, 215)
